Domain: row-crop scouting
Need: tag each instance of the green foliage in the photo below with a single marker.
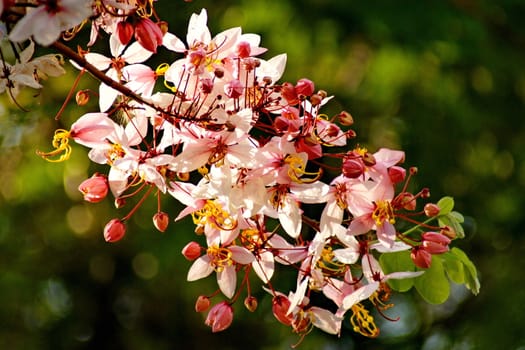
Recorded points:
(398, 261)
(433, 285)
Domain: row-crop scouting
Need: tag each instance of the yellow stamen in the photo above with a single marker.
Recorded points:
(62, 147)
(297, 169)
(383, 211)
(213, 214)
(220, 257)
(362, 151)
(116, 152)
(145, 8)
(251, 238)
(329, 264)
(161, 69)
(362, 322)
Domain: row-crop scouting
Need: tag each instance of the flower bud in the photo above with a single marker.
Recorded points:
(202, 303)
(148, 34)
(114, 230)
(421, 257)
(396, 174)
(305, 87)
(435, 243)
(407, 200)
(345, 118)
(250, 302)
(315, 99)
(280, 306)
(191, 251)
(353, 168)
(82, 97)
(220, 317)
(206, 85)
(431, 210)
(124, 32)
(369, 159)
(95, 188)
(161, 221)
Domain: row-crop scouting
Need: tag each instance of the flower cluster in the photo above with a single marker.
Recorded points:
(264, 175)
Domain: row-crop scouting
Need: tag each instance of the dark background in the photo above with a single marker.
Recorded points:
(442, 80)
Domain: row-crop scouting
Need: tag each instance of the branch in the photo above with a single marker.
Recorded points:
(102, 77)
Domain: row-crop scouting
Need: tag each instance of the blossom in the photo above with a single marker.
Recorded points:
(46, 22)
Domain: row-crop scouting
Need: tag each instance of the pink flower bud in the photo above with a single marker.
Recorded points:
(304, 87)
(396, 174)
(202, 304)
(280, 306)
(192, 251)
(220, 317)
(431, 210)
(234, 89)
(114, 230)
(243, 49)
(353, 167)
(125, 32)
(95, 188)
(435, 243)
(148, 34)
(251, 303)
(421, 257)
(161, 221)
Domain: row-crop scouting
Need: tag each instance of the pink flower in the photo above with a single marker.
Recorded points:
(220, 317)
(47, 21)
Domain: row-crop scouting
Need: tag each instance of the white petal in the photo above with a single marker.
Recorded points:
(200, 268)
(326, 321)
(241, 255)
(360, 294)
(264, 266)
(227, 280)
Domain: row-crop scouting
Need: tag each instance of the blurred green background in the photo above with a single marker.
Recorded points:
(442, 80)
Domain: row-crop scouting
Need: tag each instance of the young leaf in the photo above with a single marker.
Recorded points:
(471, 274)
(453, 267)
(433, 285)
(446, 204)
(398, 262)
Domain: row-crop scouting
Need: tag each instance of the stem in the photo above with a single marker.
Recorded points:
(102, 77)
(69, 95)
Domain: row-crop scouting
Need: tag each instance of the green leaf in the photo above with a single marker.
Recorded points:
(453, 267)
(398, 262)
(471, 274)
(433, 285)
(454, 220)
(445, 204)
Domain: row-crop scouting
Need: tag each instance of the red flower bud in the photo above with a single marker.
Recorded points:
(161, 221)
(407, 200)
(421, 257)
(251, 303)
(396, 174)
(431, 210)
(353, 168)
(304, 87)
(114, 230)
(280, 306)
(148, 34)
(82, 97)
(202, 303)
(345, 118)
(124, 32)
(220, 317)
(95, 188)
(192, 251)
